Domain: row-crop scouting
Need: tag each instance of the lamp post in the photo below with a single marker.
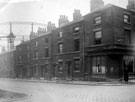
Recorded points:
(11, 39)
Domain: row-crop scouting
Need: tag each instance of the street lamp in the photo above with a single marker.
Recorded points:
(11, 39)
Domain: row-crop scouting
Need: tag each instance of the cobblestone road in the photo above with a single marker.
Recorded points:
(52, 92)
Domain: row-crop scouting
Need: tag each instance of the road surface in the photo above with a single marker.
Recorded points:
(52, 92)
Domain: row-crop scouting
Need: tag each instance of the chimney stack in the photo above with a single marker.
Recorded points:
(41, 30)
(76, 15)
(50, 26)
(96, 4)
(63, 20)
(131, 5)
(33, 35)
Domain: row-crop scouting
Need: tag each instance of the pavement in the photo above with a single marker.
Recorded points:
(94, 83)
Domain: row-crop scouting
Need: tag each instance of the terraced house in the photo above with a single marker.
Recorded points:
(99, 45)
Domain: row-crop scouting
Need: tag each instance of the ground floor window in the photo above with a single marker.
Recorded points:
(98, 65)
(28, 72)
(76, 65)
(60, 67)
(46, 68)
(35, 70)
(129, 63)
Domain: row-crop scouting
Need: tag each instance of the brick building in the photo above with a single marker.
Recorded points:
(109, 42)
(7, 64)
(99, 45)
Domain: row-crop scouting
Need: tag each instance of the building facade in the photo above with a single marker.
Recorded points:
(109, 42)
(7, 64)
(98, 46)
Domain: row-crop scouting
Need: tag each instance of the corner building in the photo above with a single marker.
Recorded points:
(109, 43)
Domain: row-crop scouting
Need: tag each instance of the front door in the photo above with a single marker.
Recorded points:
(69, 69)
(42, 71)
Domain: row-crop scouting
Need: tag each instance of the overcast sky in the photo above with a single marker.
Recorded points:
(42, 11)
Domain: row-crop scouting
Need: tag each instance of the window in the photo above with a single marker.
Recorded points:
(98, 65)
(76, 44)
(98, 37)
(20, 59)
(60, 34)
(19, 49)
(76, 29)
(97, 20)
(46, 40)
(77, 65)
(28, 57)
(129, 63)
(36, 43)
(46, 69)
(28, 48)
(60, 48)
(35, 54)
(46, 52)
(126, 18)
(36, 70)
(60, 67)
(127, 36)
(28, 71)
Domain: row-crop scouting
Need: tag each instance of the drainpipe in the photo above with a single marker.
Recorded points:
(83, 49)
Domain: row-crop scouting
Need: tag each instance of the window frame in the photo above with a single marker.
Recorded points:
(46, 40)
(46, 52)
(98, 62)
(129, 36)
(76, 64)
(77, 44)
(60, 48)
(97, 20)
(76, 29)
(36, 54)
(127, 18)
(60, 35)
(60, 66)
(98, 38)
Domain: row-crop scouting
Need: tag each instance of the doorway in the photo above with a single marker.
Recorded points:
(42, 71)
(69, 69)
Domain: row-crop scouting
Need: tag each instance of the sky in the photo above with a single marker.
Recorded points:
(41, 11)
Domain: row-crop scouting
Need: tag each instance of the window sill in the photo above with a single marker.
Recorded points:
(77, 33)
(129, 23)
(97, 24)
(78, 71)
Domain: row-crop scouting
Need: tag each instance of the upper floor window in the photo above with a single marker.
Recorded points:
(28, 57)
(28, 48)
(46, 52)
(60, 34)
(98, 36)
(36, 43)
(60, 48)
(126, 18)
(19, 49)
(35, 54)
(76, 29)
(76, 44)
(46, 40)
(127, 36)
(20, 59)
(97, 20)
